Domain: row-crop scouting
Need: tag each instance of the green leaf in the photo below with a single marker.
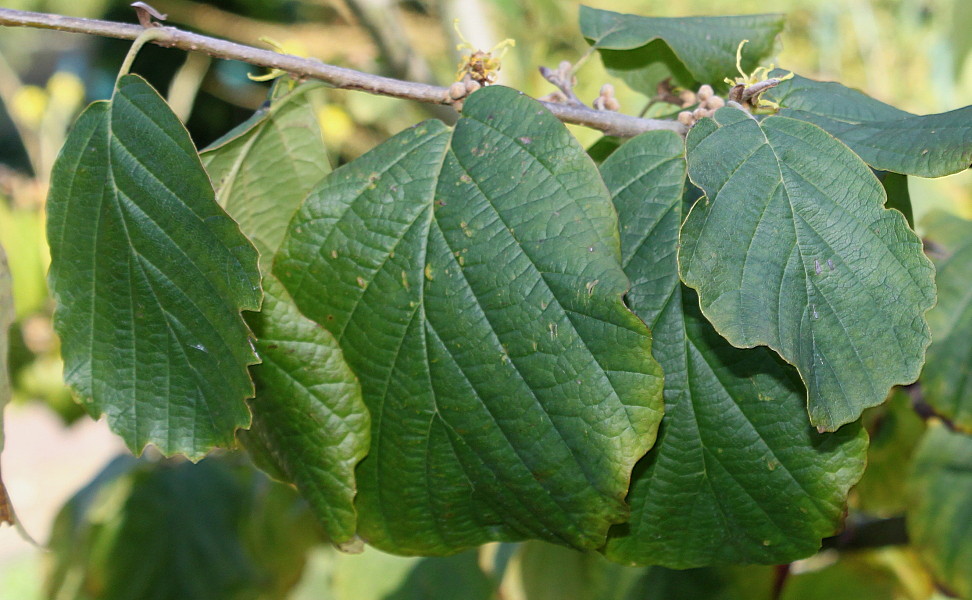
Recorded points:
(150, 275)
(793, 249)
(310, 425)
(737, 474)
(471, 277)
(6, 320)
(308, 413)
(886, 138)
(692, 50)
(947, 378)
(940, 509)
(899, 198)
(265, 168)
(217, 530)
(895, 429)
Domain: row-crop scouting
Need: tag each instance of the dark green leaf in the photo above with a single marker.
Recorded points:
(793, 249)
(602, 148)
(6, 320)
(899, 198)
(471, 277)
(737, 473)
(693, 50)
(940, 507)
(886, 138)
(150, 275)
(264, 170)
(157, 531)
(308, 413)
(947, 378)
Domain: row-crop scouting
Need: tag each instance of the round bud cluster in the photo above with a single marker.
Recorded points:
(459, 90)
(708, 104)
(607, 101)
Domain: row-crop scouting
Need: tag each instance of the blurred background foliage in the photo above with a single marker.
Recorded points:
(914, 54)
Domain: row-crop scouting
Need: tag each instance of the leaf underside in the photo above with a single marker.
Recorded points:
(150, 276)
(692, 50)
(886, 138)
(264, 170)
(511, 391)
(792, 248)
(737, 473)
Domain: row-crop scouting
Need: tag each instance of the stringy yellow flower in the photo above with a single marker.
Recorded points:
(481, 66)
(758, 75)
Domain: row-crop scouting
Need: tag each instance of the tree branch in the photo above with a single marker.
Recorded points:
(609, 122)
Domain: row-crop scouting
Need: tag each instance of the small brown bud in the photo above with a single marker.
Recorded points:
(612, 104)
(685, 118)
(471, 86)
(687, 97)
(457, 90)
(700, 113)
(705, 92)
(715, 103)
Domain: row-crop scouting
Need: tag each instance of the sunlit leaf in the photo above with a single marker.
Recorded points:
(150, 276)
(264, 169)
(471, 277)
(792, 248)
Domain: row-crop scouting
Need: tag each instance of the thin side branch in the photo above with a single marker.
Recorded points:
(609, 122)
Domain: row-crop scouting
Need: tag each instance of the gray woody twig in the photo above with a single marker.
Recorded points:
(609, 122)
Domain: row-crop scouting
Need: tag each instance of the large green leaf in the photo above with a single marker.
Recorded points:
(692, 50)
(471, 277)
(737, 474)
(886, 138)
(264, 169)
(308, 413)
(150, 275)
(940, 507)
(947, 378)
(793, 249)
(216, 530)
(6, 320)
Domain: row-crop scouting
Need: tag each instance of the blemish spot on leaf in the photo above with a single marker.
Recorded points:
(526, 140)
(361, 282)
(334, 254)
(590, 286)
(428, 271)
(465, 178)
